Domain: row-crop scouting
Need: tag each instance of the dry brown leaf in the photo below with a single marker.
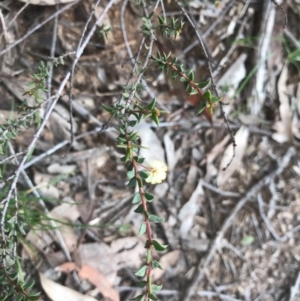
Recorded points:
(241, 138)
(85, 101)
(43, 185)
(232, 77)
(124, 252)
(58, 292)
(94, 277)
(68, 211)
(189, 210)
(217, 149)
(190, 183)
(57, 168)
(211, 170)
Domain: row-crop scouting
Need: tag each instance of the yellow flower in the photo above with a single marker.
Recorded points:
(157, 172)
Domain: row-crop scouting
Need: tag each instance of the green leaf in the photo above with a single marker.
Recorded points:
(140, 116)
(204, 84)
(138, 298)
(130, 174)
(155, 218)
(174, 75)
(139, 209)
(192, 91)
(125, 95)
(191, 76)
(202, 106)
(186, 85)
(156, 288)
(35, 297)
(151, 106)
(144, 174)
(155, 264)
(135, 148)
(247, 240)
(141, 272)
(207, 95)
(134, 136)
(20, 297)
(132, 182)
(157, 246)
(121, 146)
(14, 275)
(137, 198)
(139, 159)
(215, 99)
(149, 197)
(141, 283)
(153, 297)
(121, 130)
(107, 108)
(154, 117)
(121, 140)
(132, 123)
(10, 135)
(142, 229)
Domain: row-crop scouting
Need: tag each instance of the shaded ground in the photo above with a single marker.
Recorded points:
(233, 234)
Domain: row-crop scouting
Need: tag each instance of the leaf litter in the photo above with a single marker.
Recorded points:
(252, 263)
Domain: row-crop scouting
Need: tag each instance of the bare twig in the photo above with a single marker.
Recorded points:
(4, 27)
(74, 65)
(266, 29)
(283, 163)
(52, 54)
(272, 203)
(12, 157)
(213, 294)
(283, 11)
(294, 290)
(219, 191)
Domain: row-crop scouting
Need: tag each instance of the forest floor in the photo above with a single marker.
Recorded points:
(231, 221)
